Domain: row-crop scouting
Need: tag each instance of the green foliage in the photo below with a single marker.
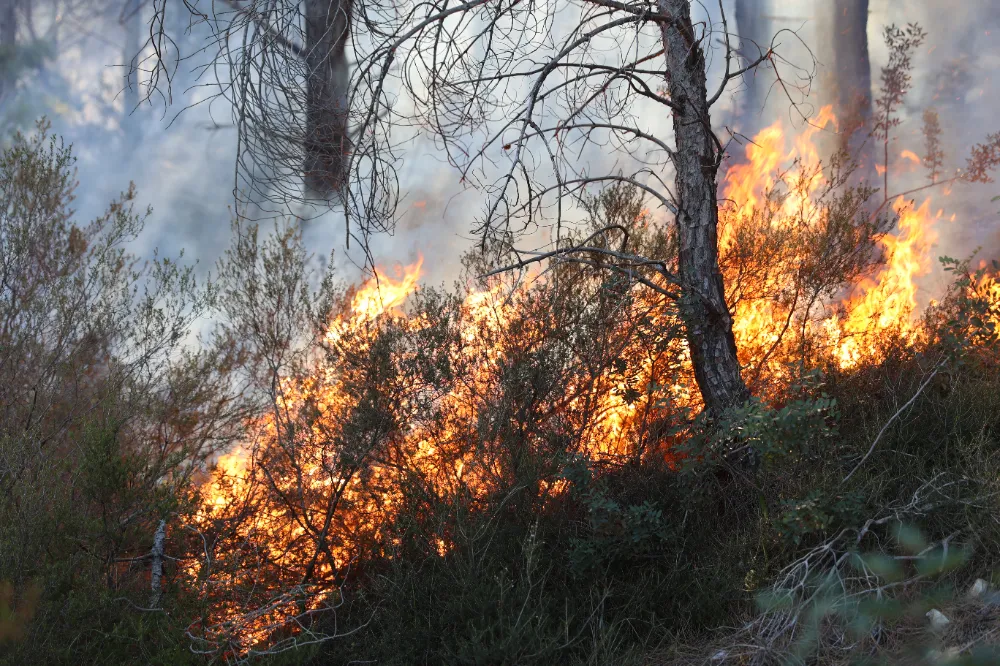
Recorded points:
(518, 592)
(894, 587)
(612, 532)
(783, 436)
(817, 514)
(106, 419)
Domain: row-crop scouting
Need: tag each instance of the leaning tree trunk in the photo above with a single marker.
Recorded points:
(8, 49)
(853, 78)
(326, 142)
(707, 320)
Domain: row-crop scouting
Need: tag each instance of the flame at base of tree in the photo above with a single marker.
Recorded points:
(402, 412)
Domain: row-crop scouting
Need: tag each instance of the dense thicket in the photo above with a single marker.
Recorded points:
(106, 414)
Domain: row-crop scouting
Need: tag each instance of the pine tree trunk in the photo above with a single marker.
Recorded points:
(326, 143)
(754, 30)
(707, 320)
(852, 69)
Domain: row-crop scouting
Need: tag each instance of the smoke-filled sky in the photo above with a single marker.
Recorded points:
(184, 165)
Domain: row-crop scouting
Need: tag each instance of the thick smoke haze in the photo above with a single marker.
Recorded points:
(183, 163)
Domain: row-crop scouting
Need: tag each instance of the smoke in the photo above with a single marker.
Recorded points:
(953, 73)
(181, 164)
(958, 78)
(184, 165)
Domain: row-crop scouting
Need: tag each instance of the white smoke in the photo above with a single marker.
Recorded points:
(185, 168)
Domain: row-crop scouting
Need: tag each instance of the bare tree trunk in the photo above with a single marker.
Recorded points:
(8, 48)
(852, 69)
(754, 31)
(706, 317)
(133, 27)
(326, 143)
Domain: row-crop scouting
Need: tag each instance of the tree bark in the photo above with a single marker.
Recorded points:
(853, 78)
(326, 142)
(707, 320)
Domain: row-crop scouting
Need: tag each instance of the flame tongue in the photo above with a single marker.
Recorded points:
(767, 160)
(383, 293)
(890, 302)
(378, 295)
(777, 186)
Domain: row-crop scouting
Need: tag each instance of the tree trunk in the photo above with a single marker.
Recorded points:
(707, 320)
(8, 49)
(754, 29)
(853, 78)
(133, 28)
(326, 142)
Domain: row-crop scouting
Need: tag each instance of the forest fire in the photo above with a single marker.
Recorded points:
(319, 486)
(702, 364)
(784, 186)
(888, 302)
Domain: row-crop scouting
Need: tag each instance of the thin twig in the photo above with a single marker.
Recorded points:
(881, 432)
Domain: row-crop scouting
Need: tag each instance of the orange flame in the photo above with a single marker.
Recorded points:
(383, 293)
(747, 184)
(889, 302)
(778, 187)
(779, 183)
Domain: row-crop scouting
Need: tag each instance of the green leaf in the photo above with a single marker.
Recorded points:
(910, 539)
(882, 566)
(940, 562)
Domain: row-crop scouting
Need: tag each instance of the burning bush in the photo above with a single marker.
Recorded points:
(515, 471)
(491, 442)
